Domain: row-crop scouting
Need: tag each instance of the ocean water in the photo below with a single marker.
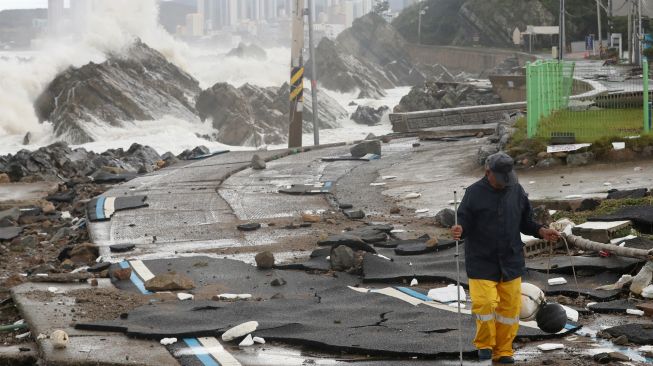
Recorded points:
(110, 29)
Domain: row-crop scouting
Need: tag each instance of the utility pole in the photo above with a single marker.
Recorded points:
(630, 32)
(421, 12)
(561, 31)
(598, 15)
(311, 45)
(640, 34)
(296, 75)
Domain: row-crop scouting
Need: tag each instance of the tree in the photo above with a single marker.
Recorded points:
(381, 7)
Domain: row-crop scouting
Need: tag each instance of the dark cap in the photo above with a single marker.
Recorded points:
(501, 165)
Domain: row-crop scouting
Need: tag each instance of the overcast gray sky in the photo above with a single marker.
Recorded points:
(23, 4)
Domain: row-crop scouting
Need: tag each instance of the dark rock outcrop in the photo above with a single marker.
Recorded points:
(135, 86)
(253, 116)
(368, 57)
(436, 95)
(248, 51)
(59, 162)
(369, 116)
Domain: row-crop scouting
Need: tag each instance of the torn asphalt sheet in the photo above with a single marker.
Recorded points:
(10, 232)
(232, 276)
(441, 267)
(632, 193)
(367, 157)
(636, 333)
(337, 319)
(641, 216)
(305, 189)
(639, 243)
(588, 265)
(615, 306)
(102, 208)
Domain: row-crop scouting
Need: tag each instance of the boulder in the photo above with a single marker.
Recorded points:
(446, 218)
(580, 159)
(4, 178)
(169, 282)
(138, 85)
(366, 147)
(264, 260)
(342, 258)
(258, 163)
(484, 152)
(365, 115)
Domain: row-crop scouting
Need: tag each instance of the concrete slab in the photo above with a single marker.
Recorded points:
(97, 348)
(600, 231)
(21, 355)
(641, 216)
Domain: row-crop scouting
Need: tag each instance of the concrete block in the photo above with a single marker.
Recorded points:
(599, 231)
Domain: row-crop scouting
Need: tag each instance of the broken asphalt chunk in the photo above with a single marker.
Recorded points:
(641, 334)
(99, 267)
(121, 248)
(352, 241)
(355, 214)
(249, 227)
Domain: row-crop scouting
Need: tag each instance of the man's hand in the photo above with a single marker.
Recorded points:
(457, 232)
(549, 235)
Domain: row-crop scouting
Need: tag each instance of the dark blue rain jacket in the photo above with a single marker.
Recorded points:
(492, 220)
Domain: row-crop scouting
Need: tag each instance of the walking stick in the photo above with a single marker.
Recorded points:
(460, 339)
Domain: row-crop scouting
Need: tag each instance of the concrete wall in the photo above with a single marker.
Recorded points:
(415, 121)
(472, 60)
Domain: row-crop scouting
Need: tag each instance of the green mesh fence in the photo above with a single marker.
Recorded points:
(586, 101)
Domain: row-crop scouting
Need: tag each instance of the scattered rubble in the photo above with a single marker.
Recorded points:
(441, 95)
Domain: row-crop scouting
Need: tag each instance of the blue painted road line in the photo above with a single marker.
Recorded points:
(99, 208)
(200, 352)
(135, 279)
(414, 293)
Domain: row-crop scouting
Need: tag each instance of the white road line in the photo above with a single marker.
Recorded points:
(109, 207)
(215, 349)
(142, 270)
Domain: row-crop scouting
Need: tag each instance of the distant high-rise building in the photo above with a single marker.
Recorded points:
(80, 11)
(55, 15)
(195, 25)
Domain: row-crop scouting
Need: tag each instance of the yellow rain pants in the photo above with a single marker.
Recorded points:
(496, 305)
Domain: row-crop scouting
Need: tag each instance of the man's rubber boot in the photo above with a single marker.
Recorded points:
(484, 354)
(506, 360)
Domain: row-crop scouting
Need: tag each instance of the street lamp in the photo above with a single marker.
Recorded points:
(422, 11)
